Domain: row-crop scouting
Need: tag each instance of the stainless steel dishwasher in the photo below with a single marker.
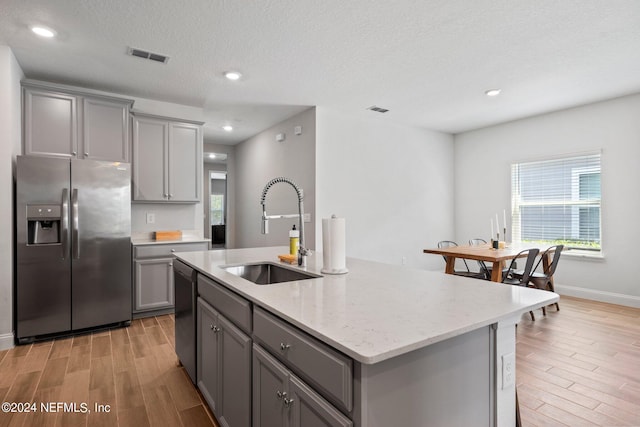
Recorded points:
(185, 282)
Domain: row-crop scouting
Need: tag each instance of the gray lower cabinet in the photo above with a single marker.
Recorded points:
(153, 287)
(326, 370)
(61, 121)
(224, 367)
(282, 399)
(153, 284)
(255, 369)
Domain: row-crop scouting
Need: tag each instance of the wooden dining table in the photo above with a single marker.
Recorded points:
(486, 253)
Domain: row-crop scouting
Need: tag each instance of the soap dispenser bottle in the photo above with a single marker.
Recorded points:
(294, 240)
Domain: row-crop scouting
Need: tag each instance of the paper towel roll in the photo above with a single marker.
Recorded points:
(333, 246)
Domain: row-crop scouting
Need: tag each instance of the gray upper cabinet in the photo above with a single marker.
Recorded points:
(61, 122)
(105, 130)
(50, 123)
(167, 159)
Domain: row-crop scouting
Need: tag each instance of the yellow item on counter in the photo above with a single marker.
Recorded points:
(291, 259)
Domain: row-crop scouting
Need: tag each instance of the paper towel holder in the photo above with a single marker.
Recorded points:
(334, 270)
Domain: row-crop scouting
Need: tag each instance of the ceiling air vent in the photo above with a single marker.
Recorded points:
(377, 109)
(148, 55)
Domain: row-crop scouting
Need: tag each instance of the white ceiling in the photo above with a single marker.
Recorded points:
(427, 61)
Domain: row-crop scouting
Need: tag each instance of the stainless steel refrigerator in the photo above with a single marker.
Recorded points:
(73, 245)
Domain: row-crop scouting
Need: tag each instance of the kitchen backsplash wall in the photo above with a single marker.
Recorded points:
(167, 217)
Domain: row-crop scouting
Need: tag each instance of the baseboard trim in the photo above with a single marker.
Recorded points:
(6, 341)
(596, 295)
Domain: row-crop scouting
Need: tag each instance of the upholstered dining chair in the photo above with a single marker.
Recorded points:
(467, 272)
(522, 279)
(486, 269)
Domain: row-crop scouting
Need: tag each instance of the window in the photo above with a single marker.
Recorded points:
(217, 209)
(558, 202)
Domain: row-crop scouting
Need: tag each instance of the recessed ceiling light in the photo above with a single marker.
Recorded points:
(232, 75)
(493, 92)
(228, 128)
(212, 155)
(43, 32)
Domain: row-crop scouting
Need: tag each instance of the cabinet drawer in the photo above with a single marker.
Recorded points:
(328, 370)
(167, 249)
(232, 306)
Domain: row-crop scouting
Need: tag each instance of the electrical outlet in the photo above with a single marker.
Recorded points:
(151, 218)
(508, 370)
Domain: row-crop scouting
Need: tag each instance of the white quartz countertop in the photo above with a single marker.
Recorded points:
(376, 311)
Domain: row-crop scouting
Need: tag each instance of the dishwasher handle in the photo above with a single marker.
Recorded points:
(183, 270)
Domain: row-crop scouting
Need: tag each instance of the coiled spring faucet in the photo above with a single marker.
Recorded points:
(302, 251)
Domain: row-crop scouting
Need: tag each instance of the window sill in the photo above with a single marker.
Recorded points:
(586, 255)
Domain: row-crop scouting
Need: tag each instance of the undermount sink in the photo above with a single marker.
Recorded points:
(268, 273)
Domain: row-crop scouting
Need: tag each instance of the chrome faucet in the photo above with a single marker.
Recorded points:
(302, 251)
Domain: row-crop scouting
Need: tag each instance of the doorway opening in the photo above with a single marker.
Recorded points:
(218, 208)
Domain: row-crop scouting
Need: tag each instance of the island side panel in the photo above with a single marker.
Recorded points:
(451, 382)
(505, 351)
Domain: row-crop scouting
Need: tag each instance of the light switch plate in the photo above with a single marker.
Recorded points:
(151, 218)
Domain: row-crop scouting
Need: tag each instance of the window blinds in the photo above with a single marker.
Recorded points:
(558, 201)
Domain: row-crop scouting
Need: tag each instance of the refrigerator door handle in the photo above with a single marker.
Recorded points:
(64, 232)
(75, 241)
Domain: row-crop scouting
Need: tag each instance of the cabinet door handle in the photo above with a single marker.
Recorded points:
(73, 153)
(211, 326)
(281, 394)
(170, 195)
(284, 346)
(170, 264)
(288, 402)
(215, 329)
(86, 154)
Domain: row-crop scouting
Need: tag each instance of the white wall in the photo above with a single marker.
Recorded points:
(10, 137)
(393, 184)
(260, 159)
(483, 160)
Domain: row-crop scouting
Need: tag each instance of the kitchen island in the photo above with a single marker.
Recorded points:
(417, 347)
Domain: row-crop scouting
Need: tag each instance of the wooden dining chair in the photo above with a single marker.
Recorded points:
(464, 273)
(510, 278)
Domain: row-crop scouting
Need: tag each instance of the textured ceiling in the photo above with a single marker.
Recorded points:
(427, 61)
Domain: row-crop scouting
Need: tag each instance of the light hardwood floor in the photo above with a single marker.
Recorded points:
(579, 366)
(576, 367)
(134, 370)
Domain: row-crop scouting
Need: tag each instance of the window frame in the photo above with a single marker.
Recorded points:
(516, 200)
